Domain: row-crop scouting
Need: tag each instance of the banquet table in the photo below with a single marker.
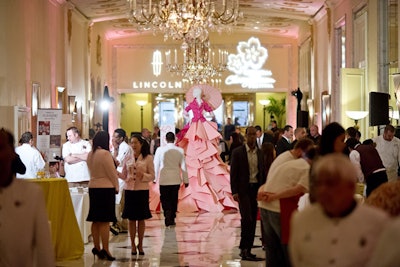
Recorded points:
(80, 201)
(65, 234)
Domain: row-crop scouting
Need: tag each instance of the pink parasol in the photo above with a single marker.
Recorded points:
(210, 94)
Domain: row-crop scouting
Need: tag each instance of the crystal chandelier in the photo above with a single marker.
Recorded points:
(184, 19)
(200, 62)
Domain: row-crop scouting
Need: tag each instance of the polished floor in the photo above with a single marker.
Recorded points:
(198, 239)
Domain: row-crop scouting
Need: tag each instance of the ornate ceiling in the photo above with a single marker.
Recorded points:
(275, 17)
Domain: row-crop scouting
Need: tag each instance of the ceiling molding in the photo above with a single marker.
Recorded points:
(282, 18)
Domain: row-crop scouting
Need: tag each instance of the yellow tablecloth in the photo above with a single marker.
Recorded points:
(65, 234)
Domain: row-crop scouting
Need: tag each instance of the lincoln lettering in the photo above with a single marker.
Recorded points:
(157, 85)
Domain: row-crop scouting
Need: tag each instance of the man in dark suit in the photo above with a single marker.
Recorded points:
(229, 128)
(284, 143)
(262, 137)
(247, 174)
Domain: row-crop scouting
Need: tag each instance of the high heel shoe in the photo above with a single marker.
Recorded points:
(134, 250)
(106, 255)
(95, 252)
(141, 252)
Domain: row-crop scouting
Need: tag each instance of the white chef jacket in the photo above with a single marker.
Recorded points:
(77, 172)
(389, 151)
(317, 240)
(32, 160)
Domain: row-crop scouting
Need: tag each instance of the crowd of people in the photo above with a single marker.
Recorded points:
(301, 183)
(311, 211)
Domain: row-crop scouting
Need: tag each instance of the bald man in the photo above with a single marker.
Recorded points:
(333, 231)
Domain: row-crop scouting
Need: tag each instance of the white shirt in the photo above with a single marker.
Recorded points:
(356, 160)
(24, 228)
(282, 158)
(286, 175)
(77, 172)
(318, 240)
(170, 165)
(260, 140)
(124, 151)
(32, 160)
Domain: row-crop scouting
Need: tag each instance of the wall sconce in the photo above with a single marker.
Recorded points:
(265, 103)
(326, 109)
(141, 103)
(310, 106)
(356, 116)
(60, 93)
(71, 104)
(35, 98)
(105, 105)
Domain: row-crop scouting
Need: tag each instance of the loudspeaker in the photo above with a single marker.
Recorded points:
(378, 108)
(302, 118)
(397, 133)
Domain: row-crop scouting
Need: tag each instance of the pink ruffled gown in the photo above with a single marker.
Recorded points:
(209, 180)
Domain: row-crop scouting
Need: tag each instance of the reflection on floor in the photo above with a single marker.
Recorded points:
(198, 239)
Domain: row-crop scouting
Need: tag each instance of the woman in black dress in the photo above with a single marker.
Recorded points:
(103, 186)
(137, 172)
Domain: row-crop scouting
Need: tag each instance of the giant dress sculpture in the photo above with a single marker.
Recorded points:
(209, 179)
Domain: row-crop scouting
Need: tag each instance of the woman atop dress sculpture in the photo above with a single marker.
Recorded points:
(209, 180)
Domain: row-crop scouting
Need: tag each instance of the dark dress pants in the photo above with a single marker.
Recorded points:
(276, 253)
(374, 180)
(248, 212)
(169, 202)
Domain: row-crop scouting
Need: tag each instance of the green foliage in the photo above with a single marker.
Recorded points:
(277, 107)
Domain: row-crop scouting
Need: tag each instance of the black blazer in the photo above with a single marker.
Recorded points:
(240, 172)
(267, 138)
(282, 146)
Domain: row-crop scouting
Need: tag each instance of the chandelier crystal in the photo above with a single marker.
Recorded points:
(184, 19)
(200, 62)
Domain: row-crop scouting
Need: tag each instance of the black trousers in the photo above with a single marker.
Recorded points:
(169, 202)
(248, 211)
(374, 180)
